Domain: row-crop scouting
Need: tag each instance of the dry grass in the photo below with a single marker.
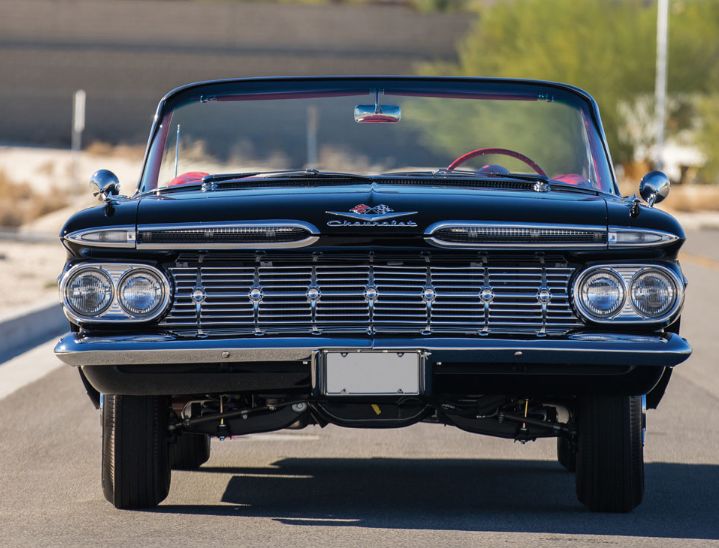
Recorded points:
(106, 150)
(21, 203)
(691, 198)
(687, 198)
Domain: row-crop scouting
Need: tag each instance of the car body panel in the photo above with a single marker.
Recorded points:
(415, 206)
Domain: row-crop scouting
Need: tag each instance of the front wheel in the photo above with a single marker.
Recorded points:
(190, 451)
(135, 456)
(567, 454)
(610, 456)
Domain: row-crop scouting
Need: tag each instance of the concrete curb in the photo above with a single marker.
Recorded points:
(708, 220)
(20, 332)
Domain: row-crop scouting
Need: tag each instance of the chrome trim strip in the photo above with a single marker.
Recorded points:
(665, 237)
(115, 307)
(431, 229)
(310, 228)
(639, 319)
(77, 237)
(659, 350)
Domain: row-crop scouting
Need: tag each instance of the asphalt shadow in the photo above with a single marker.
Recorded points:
(461, 495)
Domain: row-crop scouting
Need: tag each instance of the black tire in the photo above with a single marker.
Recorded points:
(566, 454)
(190, 451)
(135, 454)
(610, 457)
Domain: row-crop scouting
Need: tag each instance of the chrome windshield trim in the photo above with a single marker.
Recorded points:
(311, 229)
(433, 228)
(665, 238)
(610, 349)
(78, 236)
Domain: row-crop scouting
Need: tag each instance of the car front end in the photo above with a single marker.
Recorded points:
(522, 302)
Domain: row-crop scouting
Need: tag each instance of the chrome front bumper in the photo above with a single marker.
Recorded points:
(601, 349)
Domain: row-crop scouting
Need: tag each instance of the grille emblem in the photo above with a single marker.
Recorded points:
(365, 215)
(486, 295)
(313, 294)
(429, 295)
(371, 294)
(544, 295)
(198, 295)
(255, 294)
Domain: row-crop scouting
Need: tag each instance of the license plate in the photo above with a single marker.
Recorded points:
(372, 373)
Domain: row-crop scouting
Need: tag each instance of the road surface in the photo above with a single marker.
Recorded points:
(426, 485)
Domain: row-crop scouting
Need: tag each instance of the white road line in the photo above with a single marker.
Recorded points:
(27, 368)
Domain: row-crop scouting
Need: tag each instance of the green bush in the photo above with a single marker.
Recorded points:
(607, 47)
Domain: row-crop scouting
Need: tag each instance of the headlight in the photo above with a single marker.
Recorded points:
(629, 293)
(88, 292)
(114, 293)
(601, 294)
(653, 293)
(141, 293)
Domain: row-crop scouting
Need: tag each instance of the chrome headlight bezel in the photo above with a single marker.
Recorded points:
(677, 287)
(73, 274)
(114, 312)
(628, 313)
(584, 278)
(161, 304)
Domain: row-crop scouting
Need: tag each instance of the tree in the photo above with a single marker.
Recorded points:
(607, 47)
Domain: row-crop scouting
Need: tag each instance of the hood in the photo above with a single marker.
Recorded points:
(373, 210)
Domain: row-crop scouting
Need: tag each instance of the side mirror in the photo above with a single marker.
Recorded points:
(654, 187)
(105, 185)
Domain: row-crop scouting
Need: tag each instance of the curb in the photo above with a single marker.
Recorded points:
(706, 220)
(20, 332)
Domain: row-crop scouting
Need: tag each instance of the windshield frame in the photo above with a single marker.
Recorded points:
(277, 88)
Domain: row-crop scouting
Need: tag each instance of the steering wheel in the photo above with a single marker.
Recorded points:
(502, 151)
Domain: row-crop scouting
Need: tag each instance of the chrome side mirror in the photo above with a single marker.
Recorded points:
(654, 187)
(105, 185)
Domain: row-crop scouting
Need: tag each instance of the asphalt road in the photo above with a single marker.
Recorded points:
(424, 485)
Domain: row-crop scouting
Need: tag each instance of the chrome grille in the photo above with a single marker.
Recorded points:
(268, 294)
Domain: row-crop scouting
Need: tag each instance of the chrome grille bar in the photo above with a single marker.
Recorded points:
(323, 294)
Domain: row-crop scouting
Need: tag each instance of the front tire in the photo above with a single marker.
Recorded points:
(135, 456)
(567, 454)
(610, 457)
(190, 451)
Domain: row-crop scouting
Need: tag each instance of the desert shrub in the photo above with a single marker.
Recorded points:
(20, 203)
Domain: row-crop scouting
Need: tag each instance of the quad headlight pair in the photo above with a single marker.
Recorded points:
(111, 292)
(628, 293)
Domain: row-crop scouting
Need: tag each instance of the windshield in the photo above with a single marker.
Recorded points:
(377, 127)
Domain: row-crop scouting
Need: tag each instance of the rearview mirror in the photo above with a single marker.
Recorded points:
(654, 187)
(377, 113)
(104, 184)
(369, 114)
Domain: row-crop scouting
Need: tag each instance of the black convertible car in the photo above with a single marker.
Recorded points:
(374, 252)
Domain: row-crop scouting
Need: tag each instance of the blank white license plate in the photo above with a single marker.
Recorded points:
(372, 373)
